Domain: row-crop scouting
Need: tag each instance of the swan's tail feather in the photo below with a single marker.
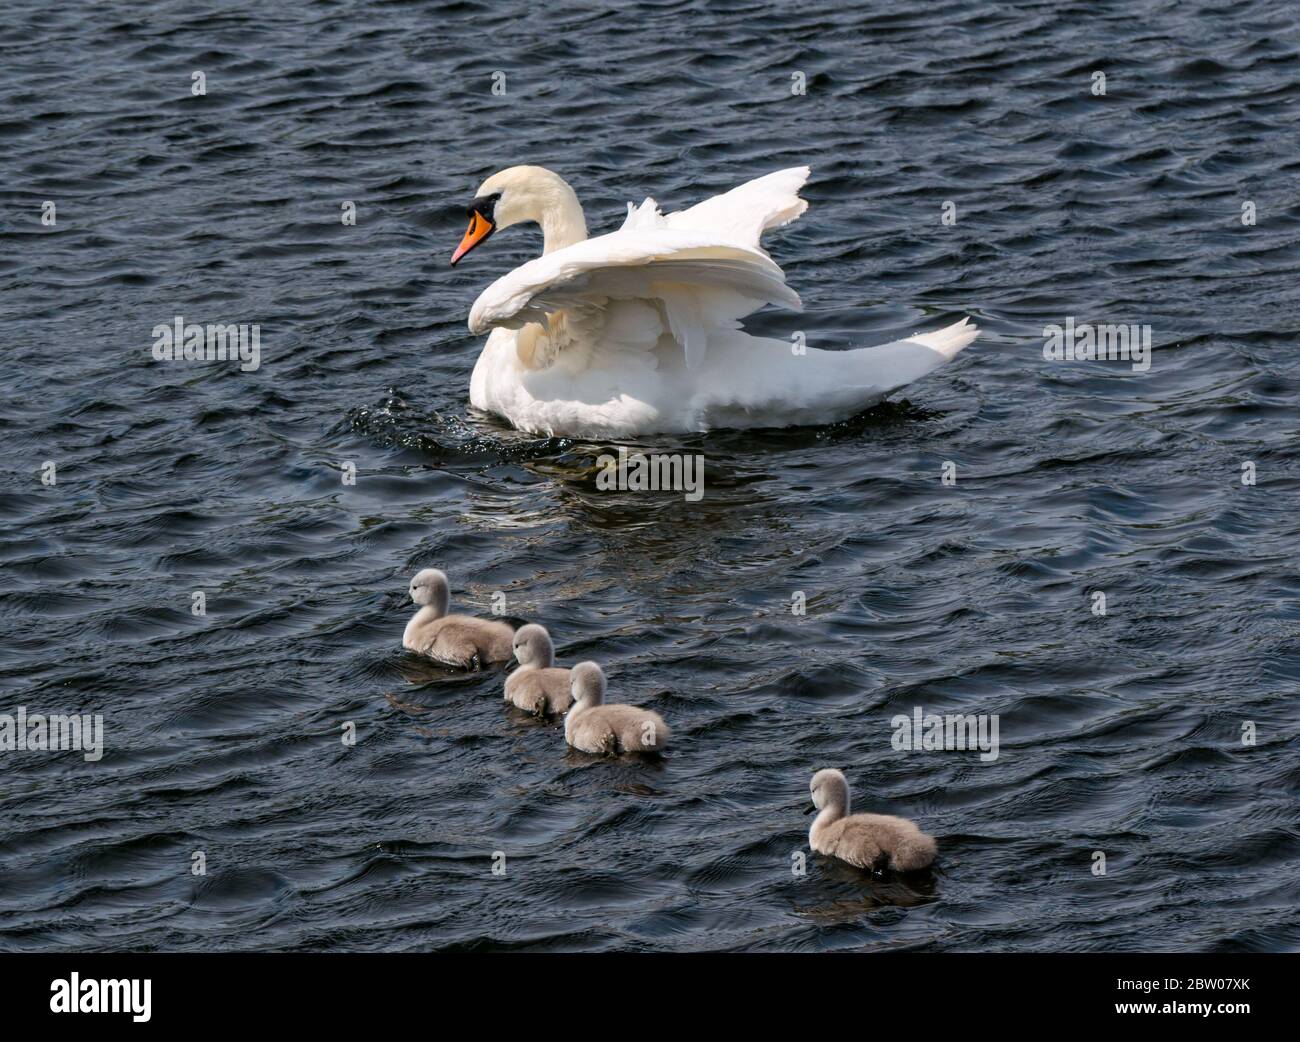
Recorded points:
(949, 340)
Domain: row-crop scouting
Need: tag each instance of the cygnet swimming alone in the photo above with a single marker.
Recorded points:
(872, 841)
(457, 640)
(537, 686)
(597, 728)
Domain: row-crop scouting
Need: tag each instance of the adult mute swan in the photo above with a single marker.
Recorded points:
(638, 331)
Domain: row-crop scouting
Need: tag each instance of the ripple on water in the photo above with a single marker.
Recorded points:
(1118, 732)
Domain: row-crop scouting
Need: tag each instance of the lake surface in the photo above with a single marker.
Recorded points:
(1120, 733)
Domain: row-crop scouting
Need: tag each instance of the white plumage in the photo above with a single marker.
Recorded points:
(638, 331)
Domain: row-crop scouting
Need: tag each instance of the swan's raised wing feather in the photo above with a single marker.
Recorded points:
(700, 282)
(748, 210)
(741, 215)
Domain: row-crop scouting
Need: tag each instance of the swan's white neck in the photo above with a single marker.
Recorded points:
(562, 221)
(532, 193)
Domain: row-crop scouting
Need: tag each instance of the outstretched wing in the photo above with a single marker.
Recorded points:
(698, 283)
(701, 268)
(743, 214)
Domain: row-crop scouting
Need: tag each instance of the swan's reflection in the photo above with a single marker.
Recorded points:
(752, 489)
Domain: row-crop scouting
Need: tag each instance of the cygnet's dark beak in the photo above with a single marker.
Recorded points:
(810, 810)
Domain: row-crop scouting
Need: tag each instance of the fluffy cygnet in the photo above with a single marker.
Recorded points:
(457, 640)
(872, 841)
(537, 686)
(597, 728)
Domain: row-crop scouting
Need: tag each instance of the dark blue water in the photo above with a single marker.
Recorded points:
(1119, 733)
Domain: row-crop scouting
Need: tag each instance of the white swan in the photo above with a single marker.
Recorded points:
(638, 331)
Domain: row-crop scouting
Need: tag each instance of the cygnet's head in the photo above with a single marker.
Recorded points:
(830, 789)
(533, 646)
(429, 587)
(587, 682)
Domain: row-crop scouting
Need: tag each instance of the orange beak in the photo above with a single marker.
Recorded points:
(479, 229)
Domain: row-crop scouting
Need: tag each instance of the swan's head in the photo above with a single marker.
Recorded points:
(430, 587)
(829, 789)
(519, 194)
(587, 683)
(533, 646)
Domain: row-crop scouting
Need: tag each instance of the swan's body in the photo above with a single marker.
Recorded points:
(597, 728)
(638, 331)
(537, 686)
(871, 841)
(456, 640)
